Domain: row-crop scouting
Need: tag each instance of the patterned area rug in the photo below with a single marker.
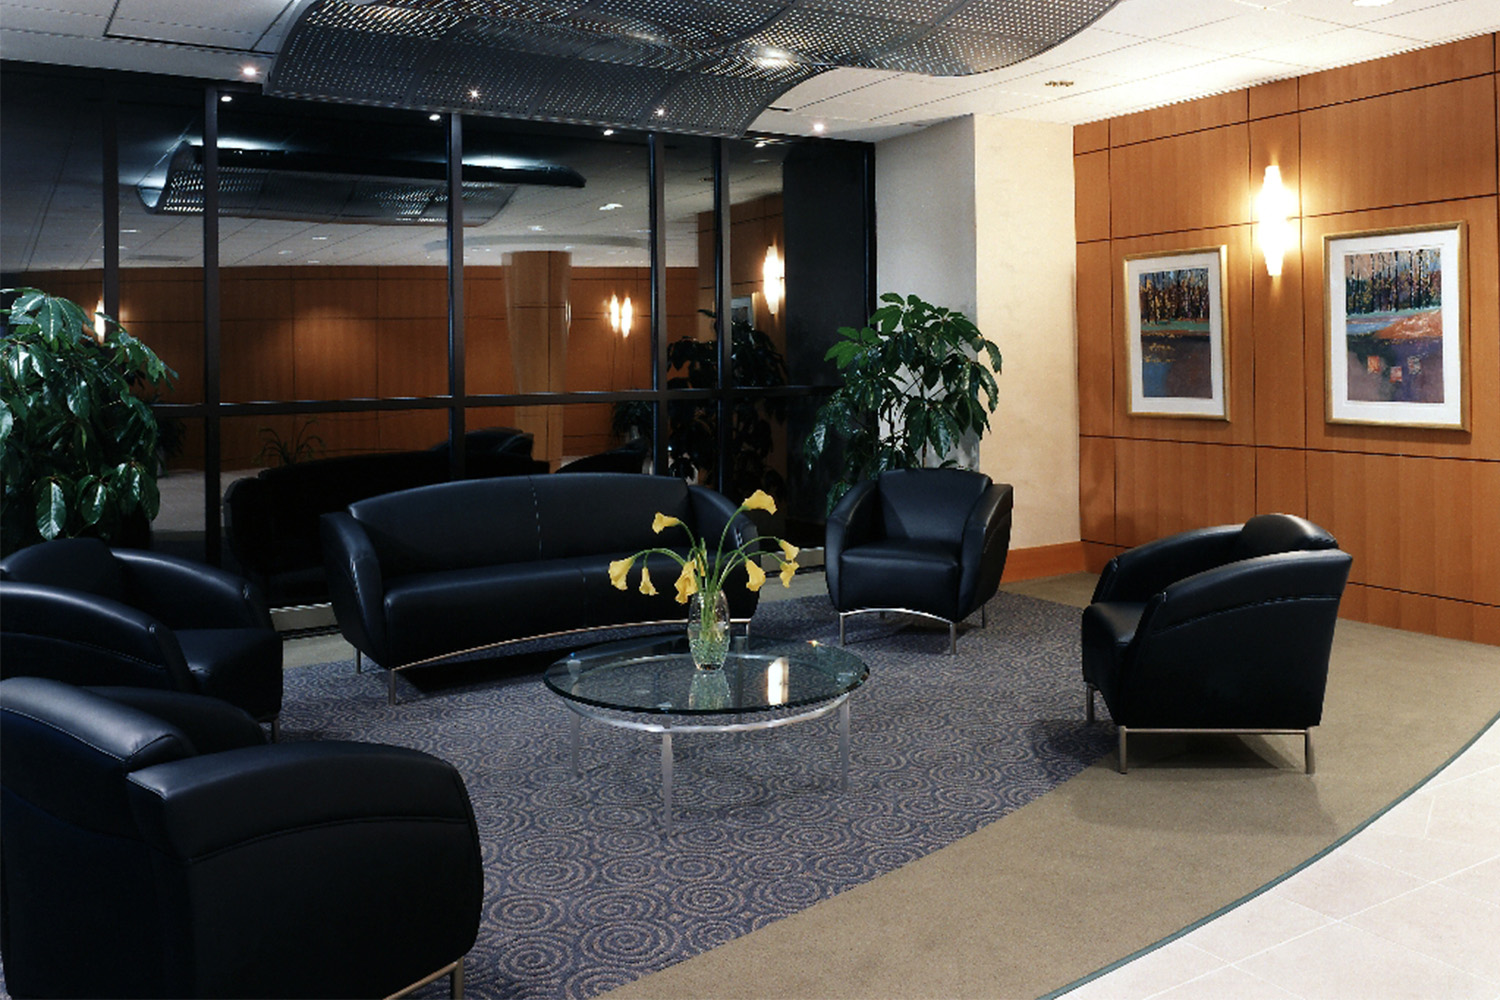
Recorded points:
(584, 891)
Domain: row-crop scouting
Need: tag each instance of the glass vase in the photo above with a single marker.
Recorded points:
(708, 629)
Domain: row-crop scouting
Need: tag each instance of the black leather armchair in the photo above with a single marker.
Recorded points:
(152, 845)
(78, 611)
(1223, 629)
(931, 542)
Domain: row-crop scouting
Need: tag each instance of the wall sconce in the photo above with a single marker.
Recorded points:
(1274, 206)
(620, 315)
(101, 329)
(773, 279)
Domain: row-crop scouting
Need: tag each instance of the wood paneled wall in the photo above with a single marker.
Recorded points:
(293, 333)
(1408, 140)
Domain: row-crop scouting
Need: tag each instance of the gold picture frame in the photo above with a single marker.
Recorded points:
(1176, 333)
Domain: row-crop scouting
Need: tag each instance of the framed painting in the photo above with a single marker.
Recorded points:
(1395, 327)
(1174, 334)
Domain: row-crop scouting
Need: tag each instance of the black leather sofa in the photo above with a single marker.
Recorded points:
(423, 574)
(152, 845)
(1224, 629)
(75, 610)
(931, 542)
(271, 519)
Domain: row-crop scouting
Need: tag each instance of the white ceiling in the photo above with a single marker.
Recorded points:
(1142, 54)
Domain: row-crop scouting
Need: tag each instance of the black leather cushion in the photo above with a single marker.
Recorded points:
(1267, 534)
(84, 564)
(929, 504)
(916, 575)
(595, 512)
(450, 526)
(234, 664)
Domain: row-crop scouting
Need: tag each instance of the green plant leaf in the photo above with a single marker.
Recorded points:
(93, 499)
(51, 510)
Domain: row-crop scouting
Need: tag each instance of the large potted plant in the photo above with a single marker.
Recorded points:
(78, 446)
(918, 379)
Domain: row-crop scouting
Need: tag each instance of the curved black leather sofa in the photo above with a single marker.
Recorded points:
(152, 845)
(423, 574)
(931, 542)
(1226, 628)
(271, 518)
(75, 610)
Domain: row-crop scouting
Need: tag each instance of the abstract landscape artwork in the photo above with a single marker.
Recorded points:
(1174, 333)
(1395, 350)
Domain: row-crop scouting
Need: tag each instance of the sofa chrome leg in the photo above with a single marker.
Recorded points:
(1088, 702)
(1123, 767)
(1310, 762)
(456, 981)
(390, 691)
(953, 638)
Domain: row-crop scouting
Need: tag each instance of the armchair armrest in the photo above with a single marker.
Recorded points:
(182, 593)
(81, 638)
(850, 523)
(211, 724)
(1263, 580)
(986, 544)
(1137, 574)
(335, 869)
(356, 585)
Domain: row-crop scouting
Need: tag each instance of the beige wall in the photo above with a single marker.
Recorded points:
(977, 214)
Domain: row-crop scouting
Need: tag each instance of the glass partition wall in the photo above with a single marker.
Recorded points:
(600, 270)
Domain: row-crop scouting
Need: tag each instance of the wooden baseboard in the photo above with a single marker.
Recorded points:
(1044, 560)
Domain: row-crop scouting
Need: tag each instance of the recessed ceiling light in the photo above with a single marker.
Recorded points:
(609, 131)
(250, 72)
(315, 262)
(130, 230)
(819, 127)
(1058, 83)
(434, 117)
(320, 237)
(536, 229)
(225, 98)
(610, 207)
(761, 144)
(661, 112)
(474, 93)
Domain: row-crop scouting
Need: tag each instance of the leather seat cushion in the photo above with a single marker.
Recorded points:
(913, 574)
(239, 665)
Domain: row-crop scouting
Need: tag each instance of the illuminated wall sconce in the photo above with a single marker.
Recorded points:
(101, 329)
(1274, 207)
(773, 279)
(620, 315)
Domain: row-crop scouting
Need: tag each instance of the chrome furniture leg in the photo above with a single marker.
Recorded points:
(390, 691)
(844, 746)
(1123, 767)
(456, 981)
(666, 781)
(1088, 702)
(359, 662)
(953, 638)
(1310, 762)
(841, 628)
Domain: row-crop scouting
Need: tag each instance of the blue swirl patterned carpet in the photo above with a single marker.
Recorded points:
(584, 892)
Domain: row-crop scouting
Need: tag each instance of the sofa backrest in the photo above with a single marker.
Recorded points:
(590, 513)
(84, 564)
(929, 504)
(460, 525)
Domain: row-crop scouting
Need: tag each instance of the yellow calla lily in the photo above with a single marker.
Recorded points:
(646, 586)
(789, 550)
(761, 500)
(618, 571)
(788, 569)
(687, 584)
(756, 574)
(662, 522)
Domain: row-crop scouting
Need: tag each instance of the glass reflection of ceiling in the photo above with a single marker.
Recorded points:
(696, 66)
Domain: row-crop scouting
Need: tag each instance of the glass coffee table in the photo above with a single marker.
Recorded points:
(651, 685)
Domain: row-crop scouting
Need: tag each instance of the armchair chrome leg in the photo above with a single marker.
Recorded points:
(456, 981)
(390, 691)
(983, 617)
(1123, 766)
(841, 628)
(1088, 702)
(1310, 762)
(953, 638)
(359, 662)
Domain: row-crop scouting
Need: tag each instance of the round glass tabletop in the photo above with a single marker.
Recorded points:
(656, 676)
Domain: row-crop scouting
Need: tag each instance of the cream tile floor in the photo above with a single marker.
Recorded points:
(1408, 907)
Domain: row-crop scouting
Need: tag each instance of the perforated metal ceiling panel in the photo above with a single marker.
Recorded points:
(706, 67)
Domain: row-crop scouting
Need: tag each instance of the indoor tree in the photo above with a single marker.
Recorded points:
(917, 379)
(78, 446)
